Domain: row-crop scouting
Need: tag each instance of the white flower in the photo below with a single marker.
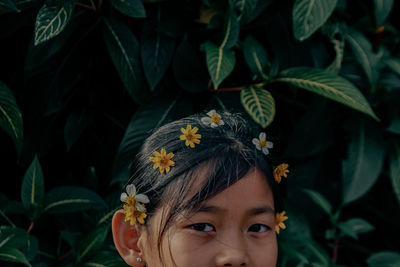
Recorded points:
(214, 119)
(262, 144)
(139, 198)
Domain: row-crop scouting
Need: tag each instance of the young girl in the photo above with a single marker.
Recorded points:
(201, 194)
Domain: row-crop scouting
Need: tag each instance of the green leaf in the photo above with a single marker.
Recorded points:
(328, 85)
(132, 8)
(221, 59)
(259, 103)
(364, 162)
(32, 191)
(157, 50)
(384, 259)
(256, 56)
(8, 6)
(355, 226)
(245, 8)
(321, 257)
(145, 119)
(72, 238)
(320, 200)
(311, 253)
(382, 10)
(394, 64)
(32, 247)
(77, 123)
(10, 116)
(220, 62)
(364, 54)
(51, 20)
(309, 15)
(190, 70)
(248, 13)
(92, 241)
(394, 164)
(230, 32)
(104, 260)
(66, 199)
(335, 35)
(292, 253)
(394, 126)
(13, 255)
(124, 51)
(13, 237)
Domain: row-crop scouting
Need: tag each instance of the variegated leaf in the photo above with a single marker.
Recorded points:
(260, 105)
(10, 116)
(51, 20)
(220, 62)
(328, 85)
(309, 15)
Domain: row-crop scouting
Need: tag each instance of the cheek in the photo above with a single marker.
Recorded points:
(264, 252)
(182, 249)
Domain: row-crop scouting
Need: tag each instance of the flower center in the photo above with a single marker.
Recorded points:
(136, 213)
(263, 143)
(215, 118)
(189, 136)
(164, 161)
(130, 200)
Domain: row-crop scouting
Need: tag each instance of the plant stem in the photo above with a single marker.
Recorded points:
(85, 6)
(30, 227)
(232, 89)
(335, 251)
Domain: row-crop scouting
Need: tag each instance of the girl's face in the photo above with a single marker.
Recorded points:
(234, 228)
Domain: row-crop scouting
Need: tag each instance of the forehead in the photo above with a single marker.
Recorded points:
(251, 190)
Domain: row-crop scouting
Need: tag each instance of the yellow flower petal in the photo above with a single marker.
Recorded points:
(281, 171)
(162, 160)
(279, 219)
(189, 136)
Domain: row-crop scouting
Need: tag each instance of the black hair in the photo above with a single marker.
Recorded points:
(224, 156)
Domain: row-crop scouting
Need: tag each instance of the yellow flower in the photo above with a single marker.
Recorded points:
(279, 219)
(133, 208)
(132, 214)
(281, 171)
(189, 135)
(162, 160)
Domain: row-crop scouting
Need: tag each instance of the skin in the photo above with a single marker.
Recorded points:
(234, 228)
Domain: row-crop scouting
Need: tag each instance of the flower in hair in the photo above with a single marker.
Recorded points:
(262, 143)
(162, 160)
(279, 219)
(134, 208)
(213, 119)
(281, 171)
(190, 136)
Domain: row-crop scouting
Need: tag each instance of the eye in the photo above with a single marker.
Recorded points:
(259, 228)
(202, 227)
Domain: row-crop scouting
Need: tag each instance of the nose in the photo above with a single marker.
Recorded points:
(232, 253)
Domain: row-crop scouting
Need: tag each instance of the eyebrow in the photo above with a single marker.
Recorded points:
(252, 212)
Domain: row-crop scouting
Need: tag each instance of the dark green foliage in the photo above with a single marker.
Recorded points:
(84, 82)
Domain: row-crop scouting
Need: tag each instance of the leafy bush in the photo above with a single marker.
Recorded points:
(83, 82)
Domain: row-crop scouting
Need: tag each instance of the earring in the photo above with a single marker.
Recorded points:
(138, 259)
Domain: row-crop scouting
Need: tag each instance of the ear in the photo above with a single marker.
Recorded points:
(125, 239)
